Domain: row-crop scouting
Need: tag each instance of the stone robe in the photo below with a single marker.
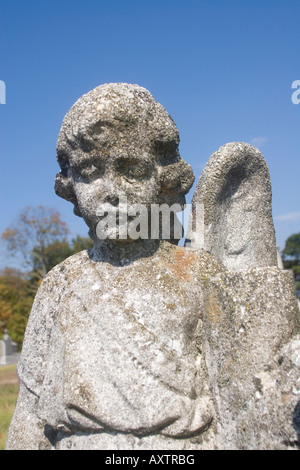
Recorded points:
(111, 352)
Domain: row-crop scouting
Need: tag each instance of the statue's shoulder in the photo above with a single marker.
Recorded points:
(71, 267)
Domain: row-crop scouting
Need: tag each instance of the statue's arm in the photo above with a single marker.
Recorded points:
(26, 430)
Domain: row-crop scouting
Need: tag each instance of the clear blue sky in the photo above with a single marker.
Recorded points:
(222, 69)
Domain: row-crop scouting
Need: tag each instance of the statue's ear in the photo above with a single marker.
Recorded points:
(64, 189)
(231, 214)
(175, 182)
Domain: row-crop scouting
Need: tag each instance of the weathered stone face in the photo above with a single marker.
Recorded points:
(117, 142)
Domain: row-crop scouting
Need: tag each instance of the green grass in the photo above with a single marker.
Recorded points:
(8, 397)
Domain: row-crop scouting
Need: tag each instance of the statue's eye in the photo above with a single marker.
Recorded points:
(86, 144)
(166, 151)
(89, 172)
(133, 169)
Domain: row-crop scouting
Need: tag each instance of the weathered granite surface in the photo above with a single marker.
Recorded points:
(141, 344)
(252, 355)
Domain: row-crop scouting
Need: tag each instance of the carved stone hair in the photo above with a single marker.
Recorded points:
(140, 121)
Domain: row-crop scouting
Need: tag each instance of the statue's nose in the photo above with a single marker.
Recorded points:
(109, 190)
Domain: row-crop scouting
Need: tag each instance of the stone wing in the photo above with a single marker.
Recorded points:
(231, 214)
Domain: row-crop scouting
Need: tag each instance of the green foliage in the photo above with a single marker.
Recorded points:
(81, 243)
(16, 298)
(291, 250)
(291, 257)
(8, 397)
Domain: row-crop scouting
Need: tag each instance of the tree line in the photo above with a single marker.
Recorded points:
(40, 240)
(291, 258)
